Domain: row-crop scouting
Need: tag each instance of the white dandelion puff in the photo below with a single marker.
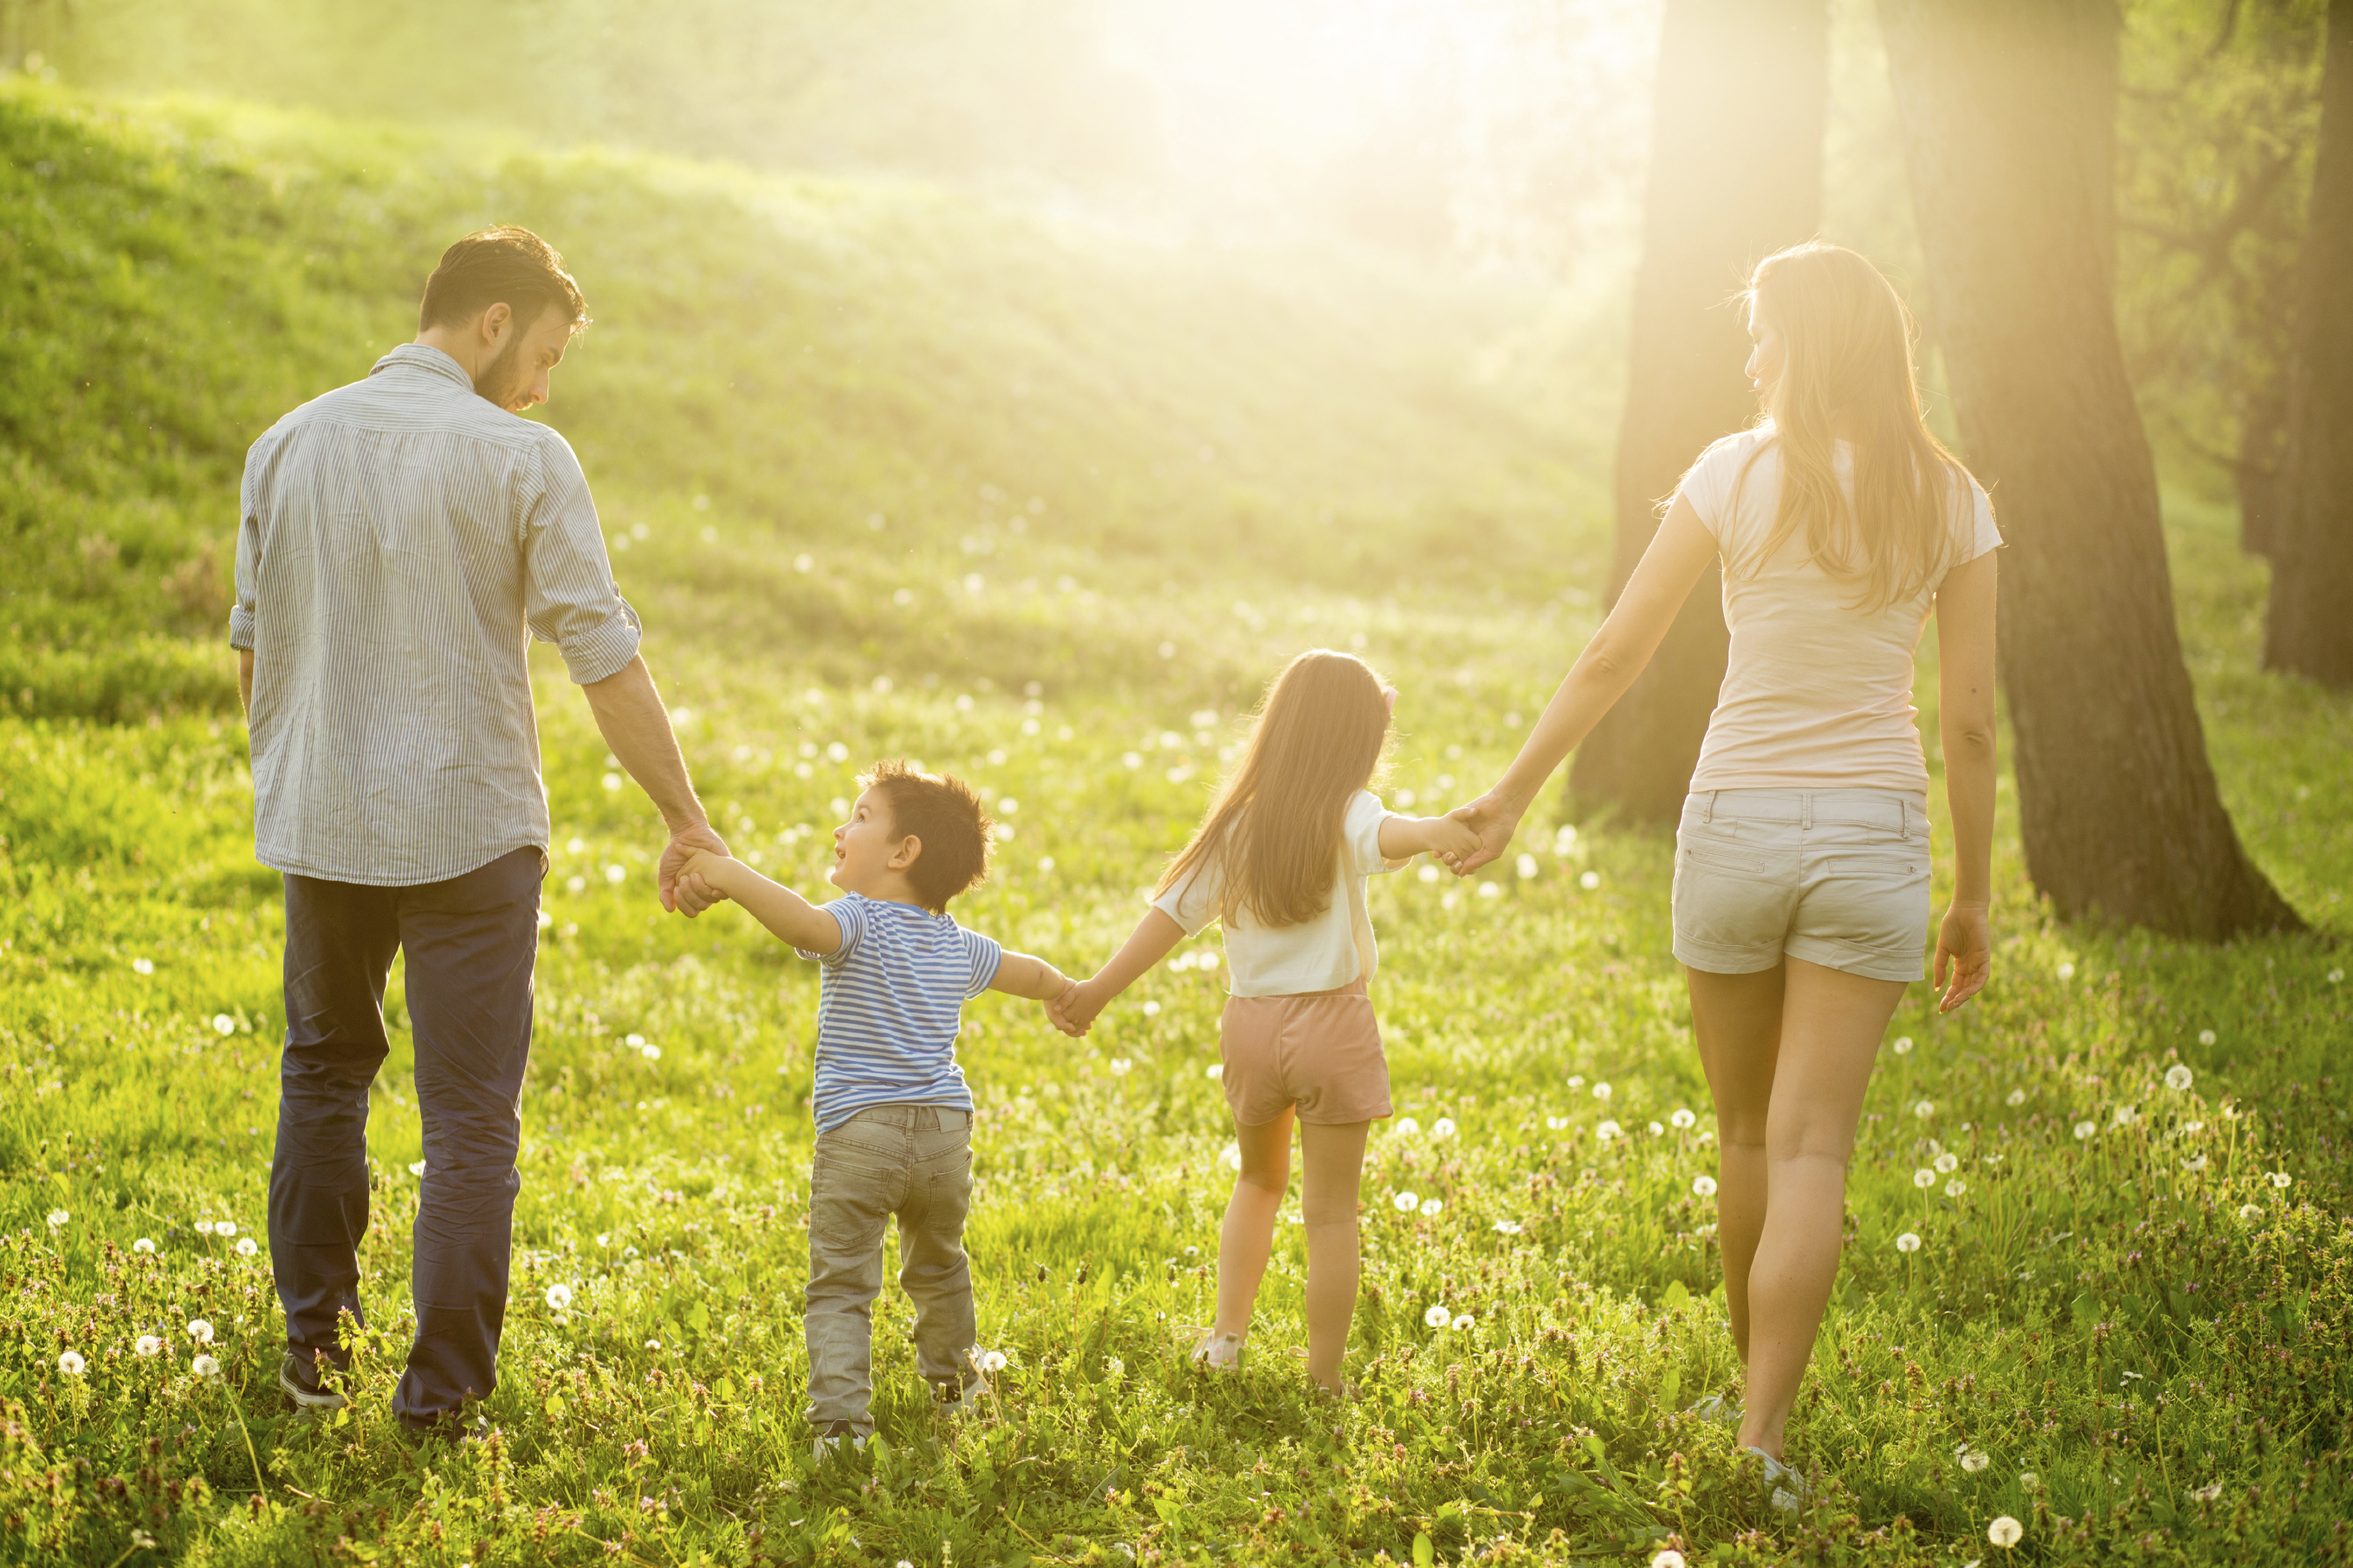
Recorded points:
(1656, 1130)
(224, 1025)
(2066, 971)
(1232, 1158)
(1406, 1203)
(1527, 866)
(1507, 1228)
(200, 1330)
(2124, 1114)
(58, 1219)
(1577, 1081)
(1437, 1317)
(2029, 1481)
(1902, 1046)
(2195, 1163)
(1590, 880)
(2281, 1179)
(616, 874)
(246, 1246)
(2084, 1129)
(1152, 1009)
(1601, 1091)
(559, 1297)
(2004, 1531)
(2206, 1037)
(1924, 1178)
(1214, 1070)
(143, 966)
(2250, 1211)
(1948, 1162)
(1666, 1557)
(1907, 1242)
(2337, 977)
(1956, 1188)
(416, 1167)
(1428, 874)
(2014, 1099)
(148, 1347)
(2211, 1492)
(1555, 1123)
(205, 1367)
(1703, 1187)
(1122, 1065)
(71, 1363)
(1973, 1461)
(1607, 1130)
(1442, 1127)
(1462, 1323)
(1406, 1127)
(2176, 1077)
(224, 1227)
(144, 1244)
(1924, 1109)
(992, 1361)
(1432, 1207)
(1682, 1119)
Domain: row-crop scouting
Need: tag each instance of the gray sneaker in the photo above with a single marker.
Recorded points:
(300, 1380)
(1715, 1407)
(834, 1443)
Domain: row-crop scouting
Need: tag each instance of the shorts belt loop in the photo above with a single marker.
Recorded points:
(1805, 811)
(1708, 815)
(1904, 817)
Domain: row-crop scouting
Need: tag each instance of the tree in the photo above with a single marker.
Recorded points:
(2007, 110)
(2309, 630)
(1736, 174)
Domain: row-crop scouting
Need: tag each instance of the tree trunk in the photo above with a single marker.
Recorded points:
(2309, 631)
(1736, 174)
(2009, 124)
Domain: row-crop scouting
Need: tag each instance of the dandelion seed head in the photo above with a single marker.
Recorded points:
(1924, 1109)
(1406, 1127)
(1666, 1557)
(2029, 1481)
(2176, 1077)
(2066, 971)
(1461, 1323)
(1122, 1065)
(1907, 1242)
(1590, 880)
(224, 1227)
(2337, 977)
(1437, 1317)
(2005, 1531)
(1407, 1202)
(144, 1244)
(1152, 1009)
(1682, 1119)
(58, 1219)
(559, 1297)
(2281, 1179)
(71, 1363)
(1214, 1071)
(200, 1330)
(2250, 1211)
(1601, 1091)
(1973, 1461)
(246, 1246)
(1577, 1081)
(2084, 1129)
(147, 1347)
(2206, 1037)
(1902, 1046)
(1607, 1130)
(2195, 1163)
(2211, 1492)
(1442, 1127)
(1555, 1123)
(1924, 1178)
(1956, 1188)
(1703, 1187)
(1656, 1130)
(205, 1367)
(1948, 1162)
(1232, 1158)
(1432, 1207)
(224, 1025)
(143, 966)
(1507, 1228)
(2014, 1099)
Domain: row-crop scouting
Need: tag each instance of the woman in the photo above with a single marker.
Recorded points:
(1801, 863)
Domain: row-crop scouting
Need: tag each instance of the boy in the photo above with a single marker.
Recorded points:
(893, 1115)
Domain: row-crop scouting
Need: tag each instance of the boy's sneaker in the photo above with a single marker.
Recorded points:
(300, 1379)
(836, 1442)
(1218, 1353)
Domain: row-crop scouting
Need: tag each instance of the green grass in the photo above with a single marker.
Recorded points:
(2093, 1312)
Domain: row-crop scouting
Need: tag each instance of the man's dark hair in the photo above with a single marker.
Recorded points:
(507, 266)
(943, 813)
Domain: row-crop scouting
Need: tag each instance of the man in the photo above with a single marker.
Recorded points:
(401, 539)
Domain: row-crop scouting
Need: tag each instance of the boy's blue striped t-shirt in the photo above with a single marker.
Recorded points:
(889, 1005)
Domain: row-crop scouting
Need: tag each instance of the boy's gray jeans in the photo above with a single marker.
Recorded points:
(914, 1161)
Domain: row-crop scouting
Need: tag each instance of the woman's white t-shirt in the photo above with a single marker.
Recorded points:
(1321, 954)
(1817, 694)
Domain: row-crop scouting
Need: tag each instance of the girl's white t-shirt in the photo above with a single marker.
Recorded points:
(1321, 954)
(1817, 694)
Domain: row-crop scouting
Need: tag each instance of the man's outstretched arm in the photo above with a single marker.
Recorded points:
(631, 716)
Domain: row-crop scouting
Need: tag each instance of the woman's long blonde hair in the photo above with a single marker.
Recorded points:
(1848, 371)
(1274, 826)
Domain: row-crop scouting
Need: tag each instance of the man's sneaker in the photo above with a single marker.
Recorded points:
(299, 1378)
(835, 1442)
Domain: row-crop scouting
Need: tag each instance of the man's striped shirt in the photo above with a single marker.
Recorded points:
(889, 1003)
(401, 539)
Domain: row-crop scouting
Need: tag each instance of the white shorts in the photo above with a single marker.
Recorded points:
(1836, 876)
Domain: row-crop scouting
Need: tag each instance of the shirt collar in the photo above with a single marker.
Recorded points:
(431, 360)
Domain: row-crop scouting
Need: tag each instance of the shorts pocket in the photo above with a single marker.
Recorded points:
(1717, 856)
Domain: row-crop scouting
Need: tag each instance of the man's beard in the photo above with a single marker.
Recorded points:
(500, 381)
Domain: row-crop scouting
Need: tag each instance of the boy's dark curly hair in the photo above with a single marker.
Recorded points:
(945, 814)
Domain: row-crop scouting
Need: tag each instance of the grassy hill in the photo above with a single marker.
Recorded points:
(905, 386)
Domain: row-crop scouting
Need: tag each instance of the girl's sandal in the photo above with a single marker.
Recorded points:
(1218, 1353)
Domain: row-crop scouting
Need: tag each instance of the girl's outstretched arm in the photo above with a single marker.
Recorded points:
(1074, 1011)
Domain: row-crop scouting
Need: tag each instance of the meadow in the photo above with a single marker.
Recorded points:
(2099, 1274)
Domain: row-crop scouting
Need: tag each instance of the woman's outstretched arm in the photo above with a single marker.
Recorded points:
(1662, 580)
(1965, 713)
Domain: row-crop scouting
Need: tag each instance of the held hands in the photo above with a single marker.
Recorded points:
(1491, 820)
(1073, 1012)
(683, 890)
(1452, 839)
(1964, 954)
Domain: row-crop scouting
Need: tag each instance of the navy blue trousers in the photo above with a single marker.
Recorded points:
(470, 943)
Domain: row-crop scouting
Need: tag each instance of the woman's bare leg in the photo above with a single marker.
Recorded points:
(1248, 1235)
(1737, 1019)
(1831, 1023)
(1332, 1169)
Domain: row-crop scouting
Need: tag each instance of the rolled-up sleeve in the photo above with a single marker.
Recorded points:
(569, 595)
(241, 622)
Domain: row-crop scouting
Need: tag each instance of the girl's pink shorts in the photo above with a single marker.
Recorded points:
(1321, 1052)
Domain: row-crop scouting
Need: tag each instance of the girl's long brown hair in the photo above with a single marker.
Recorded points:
(1274, 826)
(1849, 371)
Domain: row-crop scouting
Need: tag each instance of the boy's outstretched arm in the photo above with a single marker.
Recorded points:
(1018, 974)
(792, 918)
(1405, 837)
(1146, 945)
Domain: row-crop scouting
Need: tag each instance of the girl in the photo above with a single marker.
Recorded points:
(1280, 863)
(1801, 865)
